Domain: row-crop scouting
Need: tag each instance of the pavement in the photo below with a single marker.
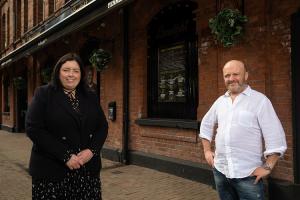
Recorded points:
(119, 182)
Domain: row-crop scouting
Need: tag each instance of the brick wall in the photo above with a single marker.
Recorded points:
(109, 30)
(265, 49)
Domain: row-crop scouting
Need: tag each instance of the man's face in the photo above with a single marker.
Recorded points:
(90, 77)
(235, 76)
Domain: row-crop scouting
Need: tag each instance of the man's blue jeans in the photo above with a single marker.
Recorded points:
(238, 188)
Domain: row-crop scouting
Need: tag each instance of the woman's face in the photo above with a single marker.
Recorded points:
(69, 75)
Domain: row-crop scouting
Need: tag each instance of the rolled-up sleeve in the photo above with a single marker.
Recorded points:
(208, 122)
(272, 130)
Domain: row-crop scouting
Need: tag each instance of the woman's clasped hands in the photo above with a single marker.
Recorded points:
(76, 161)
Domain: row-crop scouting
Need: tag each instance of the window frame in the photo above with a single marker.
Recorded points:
(173, 110)
(25, 17)
(3, 32)
(6, 89)
(18, 19)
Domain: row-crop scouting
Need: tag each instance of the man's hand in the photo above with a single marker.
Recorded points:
(209, 156)
(266, 169)
(260, 172)
(85, 156)
(74, 162)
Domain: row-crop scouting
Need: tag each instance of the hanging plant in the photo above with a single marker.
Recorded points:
(19, 82)
(99, 59)
(6, 81)
(227, 26)
(46, 74)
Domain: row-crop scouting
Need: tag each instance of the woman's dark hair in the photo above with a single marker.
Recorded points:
(55, 81)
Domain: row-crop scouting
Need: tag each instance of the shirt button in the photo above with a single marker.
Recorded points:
(91, 135)
(64, 138)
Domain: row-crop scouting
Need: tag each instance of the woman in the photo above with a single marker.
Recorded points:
(68, 129)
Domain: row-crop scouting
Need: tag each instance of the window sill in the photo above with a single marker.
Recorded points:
(172, 123)
(5, 113)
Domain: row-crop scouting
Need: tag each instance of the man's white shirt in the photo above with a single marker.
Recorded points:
(242, 126)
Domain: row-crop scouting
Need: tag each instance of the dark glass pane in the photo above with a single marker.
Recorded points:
(172, 63)
(6, 96)
(171, 73)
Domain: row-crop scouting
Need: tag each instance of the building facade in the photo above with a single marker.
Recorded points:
(165, 72)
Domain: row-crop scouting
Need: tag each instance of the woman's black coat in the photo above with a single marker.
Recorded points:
(56, 130)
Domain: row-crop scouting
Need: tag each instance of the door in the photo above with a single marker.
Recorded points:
(21, 107)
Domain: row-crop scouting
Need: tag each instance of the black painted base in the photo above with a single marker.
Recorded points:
(279, 190)
(7, 128)
(186, 169)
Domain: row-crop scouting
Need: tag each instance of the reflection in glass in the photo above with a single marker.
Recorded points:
(171, 73)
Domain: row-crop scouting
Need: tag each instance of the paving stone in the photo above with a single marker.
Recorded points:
(119, 182)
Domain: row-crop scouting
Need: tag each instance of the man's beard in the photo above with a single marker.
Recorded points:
(236, 88)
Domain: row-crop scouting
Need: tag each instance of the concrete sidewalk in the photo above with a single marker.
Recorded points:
(119, 182)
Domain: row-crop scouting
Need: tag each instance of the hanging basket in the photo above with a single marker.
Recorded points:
(19, 82)
(46, 74)
(227, 26)
(99, 59)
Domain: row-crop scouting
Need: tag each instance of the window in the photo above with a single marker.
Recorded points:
(40, 11)
(25, 16)
(172, 63)
(51, 7)
(3, 32)
(6, 43)
(17, 10)
(6, 94)
(38, 8)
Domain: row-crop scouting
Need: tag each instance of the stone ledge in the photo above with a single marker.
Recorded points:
(172, 123)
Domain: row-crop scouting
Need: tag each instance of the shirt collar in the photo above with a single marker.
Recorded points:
(246, 91)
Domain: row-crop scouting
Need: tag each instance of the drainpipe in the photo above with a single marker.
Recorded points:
(124, 154)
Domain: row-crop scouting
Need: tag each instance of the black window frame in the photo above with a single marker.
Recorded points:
(6, 89)
(185, 34)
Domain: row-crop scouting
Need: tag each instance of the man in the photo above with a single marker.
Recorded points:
(90, 81)
(243, 117)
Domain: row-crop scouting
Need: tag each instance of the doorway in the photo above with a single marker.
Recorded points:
(21, 108)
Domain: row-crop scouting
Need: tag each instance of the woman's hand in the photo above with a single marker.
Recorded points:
(74, 162)
(85, 155)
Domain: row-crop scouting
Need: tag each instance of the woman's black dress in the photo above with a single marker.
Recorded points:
(76, 185)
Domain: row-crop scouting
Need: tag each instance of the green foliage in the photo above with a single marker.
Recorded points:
(99, 59)
(227, 26)
(46, 74)
(19, 82)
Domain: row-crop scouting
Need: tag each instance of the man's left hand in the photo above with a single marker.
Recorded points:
(260, 172)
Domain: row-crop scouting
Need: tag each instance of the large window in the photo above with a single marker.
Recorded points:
(6, 94)
(51, 6)
(25, 18)
(172, 64)
(7, 30)
(38, 8)
(17, 10)
(3, 32)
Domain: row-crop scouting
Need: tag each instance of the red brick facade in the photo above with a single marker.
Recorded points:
(265, 49)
